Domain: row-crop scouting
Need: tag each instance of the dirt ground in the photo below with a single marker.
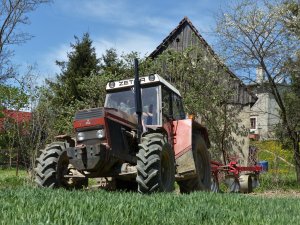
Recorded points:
(278, 194)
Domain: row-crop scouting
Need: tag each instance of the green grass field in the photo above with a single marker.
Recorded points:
(281, 174)
(21, 203)
(8, 178)
(44, 206)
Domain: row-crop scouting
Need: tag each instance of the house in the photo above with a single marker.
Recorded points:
(185, 35)
(264, 115)
(17, 116)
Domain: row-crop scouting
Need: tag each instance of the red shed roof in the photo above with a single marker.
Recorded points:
(18, 116)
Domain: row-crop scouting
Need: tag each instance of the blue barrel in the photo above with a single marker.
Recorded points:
(264, 165)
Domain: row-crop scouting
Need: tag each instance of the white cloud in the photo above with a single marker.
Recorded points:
(126, 42)
(128, 25)
(47, 66)
(120, 14)
(111, 11)
(59, 54)
(160, 25)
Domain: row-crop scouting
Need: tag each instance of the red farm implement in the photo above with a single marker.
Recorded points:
(237, 178)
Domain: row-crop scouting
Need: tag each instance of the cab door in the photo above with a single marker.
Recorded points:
(179, 131)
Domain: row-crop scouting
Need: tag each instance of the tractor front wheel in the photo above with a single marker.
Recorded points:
(155, 164)
(52, 166)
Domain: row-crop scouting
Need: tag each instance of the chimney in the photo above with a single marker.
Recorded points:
(260, 76)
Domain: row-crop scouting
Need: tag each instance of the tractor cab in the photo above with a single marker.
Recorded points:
(161, 102)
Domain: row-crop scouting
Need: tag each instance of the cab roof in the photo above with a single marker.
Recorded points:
(151, 79)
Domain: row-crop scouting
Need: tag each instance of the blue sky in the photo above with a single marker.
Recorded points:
(126, 25)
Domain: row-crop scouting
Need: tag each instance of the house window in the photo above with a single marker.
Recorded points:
(252, 123)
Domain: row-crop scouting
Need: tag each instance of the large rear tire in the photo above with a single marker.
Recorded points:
(52, 165)
(155, 164)
(202, 181)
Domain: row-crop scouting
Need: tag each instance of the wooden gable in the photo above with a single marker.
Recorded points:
(185, 35)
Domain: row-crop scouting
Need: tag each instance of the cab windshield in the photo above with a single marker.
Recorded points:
(124, 101)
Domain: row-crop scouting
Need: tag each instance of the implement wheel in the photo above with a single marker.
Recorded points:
(245, 184)
(53, 165)
(215, 187)
(232, 183)
(202, 181)
(155, 164)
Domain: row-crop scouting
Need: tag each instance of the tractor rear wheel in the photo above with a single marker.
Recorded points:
(202, 180)
(155, 164)
(52, 165)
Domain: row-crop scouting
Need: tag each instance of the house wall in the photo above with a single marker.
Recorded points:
(259, 111)
(266, 112)
(243, 149)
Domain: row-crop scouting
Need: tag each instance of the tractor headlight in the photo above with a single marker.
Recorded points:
(111, 84)
(100, 133)
(152, 77)
(80, 136)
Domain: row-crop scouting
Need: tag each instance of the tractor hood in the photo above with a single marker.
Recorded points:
(95, 117)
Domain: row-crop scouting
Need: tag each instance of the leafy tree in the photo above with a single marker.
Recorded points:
(81, 83)
(206, 91)
(11, 99)
(291, 98)
(13, 15)
(252, 34)
(111, 63)
(82, 62)
(69, 91)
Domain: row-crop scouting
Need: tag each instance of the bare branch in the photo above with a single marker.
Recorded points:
(13, 14)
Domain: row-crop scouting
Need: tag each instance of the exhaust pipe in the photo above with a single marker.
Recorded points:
(138, 99)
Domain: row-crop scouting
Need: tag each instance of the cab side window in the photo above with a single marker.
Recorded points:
(178, 112)
(166, 105)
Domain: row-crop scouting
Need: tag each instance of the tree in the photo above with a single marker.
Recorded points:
(73, 85)
(111, 63)
(207, 93)
(291, 17)
(82, 62)
(13, 13)
(12, 99)
(252, 34)
(292, 67)
(81, 83)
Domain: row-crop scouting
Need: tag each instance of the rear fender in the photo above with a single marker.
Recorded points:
(197, 127)
(183, 148)
(183, 145)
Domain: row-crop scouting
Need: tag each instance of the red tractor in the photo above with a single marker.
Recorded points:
(140, 140)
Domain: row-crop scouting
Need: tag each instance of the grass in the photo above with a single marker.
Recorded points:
(8, 178)
(281, 174)
(45, 206)
(280, 182)
(277, 157)
(29, 205)
(22, 203)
